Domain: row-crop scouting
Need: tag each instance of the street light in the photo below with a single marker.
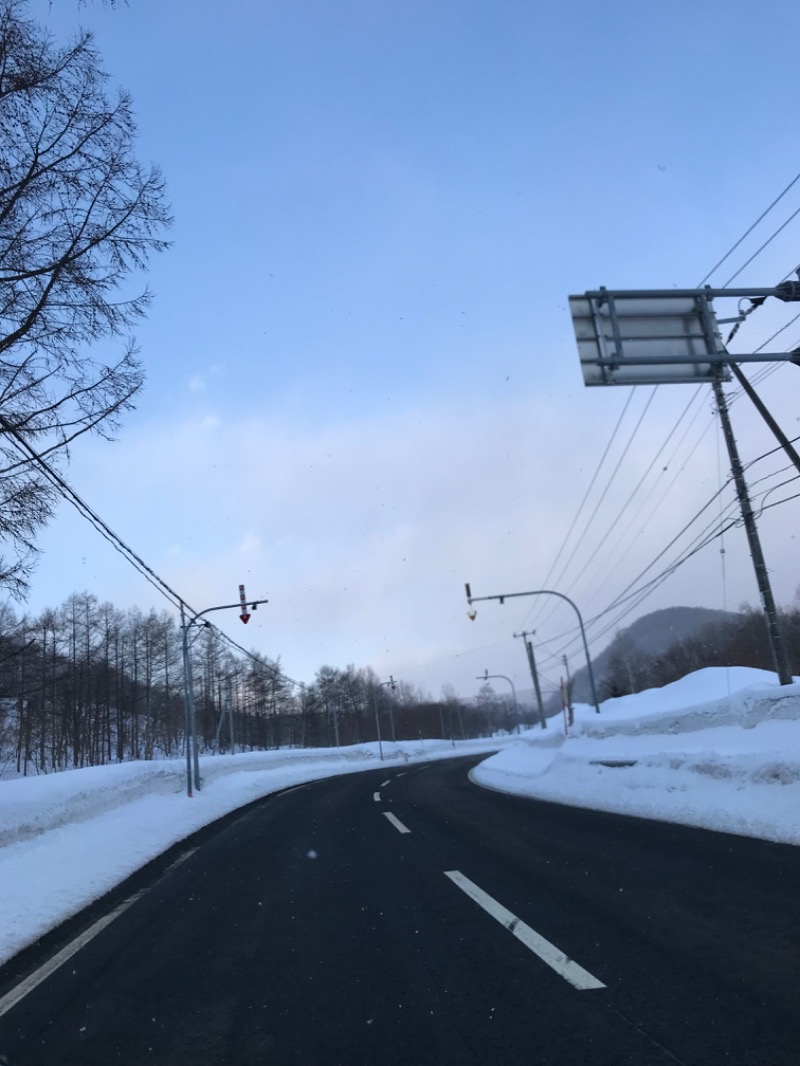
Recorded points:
(488, 677)
(192, 752)
(540, 592)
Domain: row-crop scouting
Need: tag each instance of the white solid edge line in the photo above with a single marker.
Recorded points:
(181, 858)
(396, 822)
(376, 796)
(24, 987)
(547, 952)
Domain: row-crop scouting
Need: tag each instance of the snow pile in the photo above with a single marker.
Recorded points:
(739, 696)
(719, 749)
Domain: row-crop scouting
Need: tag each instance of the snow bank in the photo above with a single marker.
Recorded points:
(711, 697)
(719, 749)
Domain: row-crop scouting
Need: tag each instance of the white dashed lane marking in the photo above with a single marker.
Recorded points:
(547, 952)
(396, 822)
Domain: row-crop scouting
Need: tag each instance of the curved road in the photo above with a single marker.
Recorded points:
(409, 917)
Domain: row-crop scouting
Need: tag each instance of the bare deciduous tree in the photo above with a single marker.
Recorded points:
(79, 215)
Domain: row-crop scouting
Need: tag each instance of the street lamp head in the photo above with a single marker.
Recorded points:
(788, 291)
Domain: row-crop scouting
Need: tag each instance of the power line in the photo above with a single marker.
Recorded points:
(603, 495)
(623, 552)
(86, 511)
(257, 658)
(119, 545)
(637, 596)
(591, 485)
(605, 538)
(633, 597)
(747, 232)
(729, 507)
(767, 242)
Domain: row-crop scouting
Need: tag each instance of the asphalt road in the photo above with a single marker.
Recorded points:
(468, 927)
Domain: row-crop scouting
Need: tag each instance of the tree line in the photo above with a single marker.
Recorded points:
(87, 684)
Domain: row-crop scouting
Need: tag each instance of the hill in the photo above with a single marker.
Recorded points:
(644, 639)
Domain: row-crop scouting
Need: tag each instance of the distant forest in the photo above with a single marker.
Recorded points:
(88, 684)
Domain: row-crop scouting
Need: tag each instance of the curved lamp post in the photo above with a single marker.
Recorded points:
(488, 677)
(192, 753)
(542, 592)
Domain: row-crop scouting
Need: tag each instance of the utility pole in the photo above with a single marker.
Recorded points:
(762, 577)
(226, 709)
(671, 336)
(570, 710)
(760, 406)
(393, 685)
(188, 705)
(229, 695)
(534, 673)
(377, 725)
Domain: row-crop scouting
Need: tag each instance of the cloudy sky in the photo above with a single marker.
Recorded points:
(363, 386)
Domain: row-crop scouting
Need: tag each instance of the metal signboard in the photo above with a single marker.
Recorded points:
(647, 338)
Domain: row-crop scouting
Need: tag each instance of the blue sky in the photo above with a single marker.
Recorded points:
(363, 388)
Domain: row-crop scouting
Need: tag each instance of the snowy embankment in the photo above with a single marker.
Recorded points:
(66, 839)
(719, 749)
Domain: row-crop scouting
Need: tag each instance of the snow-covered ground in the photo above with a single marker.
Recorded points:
(718, 749)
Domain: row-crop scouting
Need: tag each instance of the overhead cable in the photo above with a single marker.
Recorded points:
(84, 509)
(747, 232)
(119, 545)
(767, 242)
(603, 495)
(591, 485)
